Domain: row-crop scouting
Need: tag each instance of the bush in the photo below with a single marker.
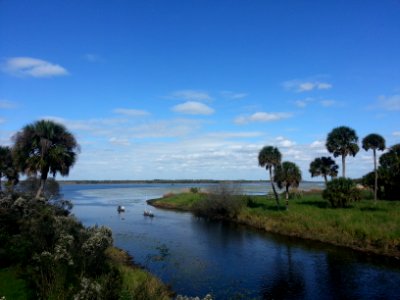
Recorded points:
(340, 192)
(194, 190)
(222, 201)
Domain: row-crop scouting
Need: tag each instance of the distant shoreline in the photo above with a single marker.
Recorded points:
(184, 181)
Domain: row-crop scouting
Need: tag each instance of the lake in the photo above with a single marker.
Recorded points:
(229, 261)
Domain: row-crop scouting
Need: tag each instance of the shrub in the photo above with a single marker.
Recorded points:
(341, 192)
(194, 190)
(222, 201)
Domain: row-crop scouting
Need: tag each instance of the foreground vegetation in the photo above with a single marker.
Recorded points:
(363, 225)
(45, 253)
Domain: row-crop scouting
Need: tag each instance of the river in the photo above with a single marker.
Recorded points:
(229, 261)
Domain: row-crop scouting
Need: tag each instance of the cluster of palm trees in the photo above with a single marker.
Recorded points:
(286, 174)
(41, 148)
(341, 141)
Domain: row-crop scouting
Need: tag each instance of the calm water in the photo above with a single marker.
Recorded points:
(232, 262)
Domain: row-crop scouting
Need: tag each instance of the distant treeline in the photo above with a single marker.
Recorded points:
(164, 181)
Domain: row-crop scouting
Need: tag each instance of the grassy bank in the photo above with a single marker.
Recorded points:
(363, 226)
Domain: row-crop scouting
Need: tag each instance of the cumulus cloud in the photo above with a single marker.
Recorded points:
(191, 95)
(32, 67)
(262, 117)
(283, 142)
(131, 112)
(305, 86)
(391, 103)
(193, 108)
(396, 133)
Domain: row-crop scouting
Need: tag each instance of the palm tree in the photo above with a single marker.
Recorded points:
(286, 175)
(45, 146)
(270, 157)
(324, 166)
(342, 141)
(375, 142)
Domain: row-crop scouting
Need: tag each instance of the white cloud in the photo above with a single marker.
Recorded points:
(300, 103)
(283, 142)
(193, 108)
(2, 120)
(119, 141)
(305, 86)
(33, 67)
(317, 144)
(131, 112)
(327, 103)
(391, 103)
(233, 135)
(6, 104)
(396, 133)
(262, 117)
(191, 95)
(233, 95)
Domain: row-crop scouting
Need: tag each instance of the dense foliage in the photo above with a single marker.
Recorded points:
(222, 201)
(342, 141)
(287, 175)
(59, 257)
(324, 166)
(340, 192)
(45, 147)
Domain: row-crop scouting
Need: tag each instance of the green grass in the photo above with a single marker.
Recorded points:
(137, 283)
(364, 225)
(11, 286)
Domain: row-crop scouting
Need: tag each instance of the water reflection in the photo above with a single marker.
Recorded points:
(197, 256)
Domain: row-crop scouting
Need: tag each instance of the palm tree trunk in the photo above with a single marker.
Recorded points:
(326, 179)
(43, 178)
(343, 166)
(376, 179)
(273, 188)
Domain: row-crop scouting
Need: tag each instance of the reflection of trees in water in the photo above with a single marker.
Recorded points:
(286, 279)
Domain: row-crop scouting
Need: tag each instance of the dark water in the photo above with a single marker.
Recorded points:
(232, 262)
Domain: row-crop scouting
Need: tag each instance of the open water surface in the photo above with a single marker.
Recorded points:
(197, 257)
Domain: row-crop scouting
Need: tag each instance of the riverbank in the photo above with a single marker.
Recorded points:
(365, 226)
(135, 281)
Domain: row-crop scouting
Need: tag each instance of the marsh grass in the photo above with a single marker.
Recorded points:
(137, 283)
(363, 225)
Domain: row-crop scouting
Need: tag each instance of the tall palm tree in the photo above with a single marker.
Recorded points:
(270, 157)
(375, 142)
(342, 141)
(287, 175)
(45, 147)
(324, 166)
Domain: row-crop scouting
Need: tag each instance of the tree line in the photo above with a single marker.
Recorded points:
(341, 141)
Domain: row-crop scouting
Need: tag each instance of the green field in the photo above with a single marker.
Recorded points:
(363, 226)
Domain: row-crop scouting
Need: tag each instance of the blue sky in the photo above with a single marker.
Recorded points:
(194, 89)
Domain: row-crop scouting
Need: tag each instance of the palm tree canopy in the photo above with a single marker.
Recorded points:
(287, 174)
(391, 159)
(373, 141)
(5, 157)
(45, 146)
(269, 156)
(342, 141)
(323, 166)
